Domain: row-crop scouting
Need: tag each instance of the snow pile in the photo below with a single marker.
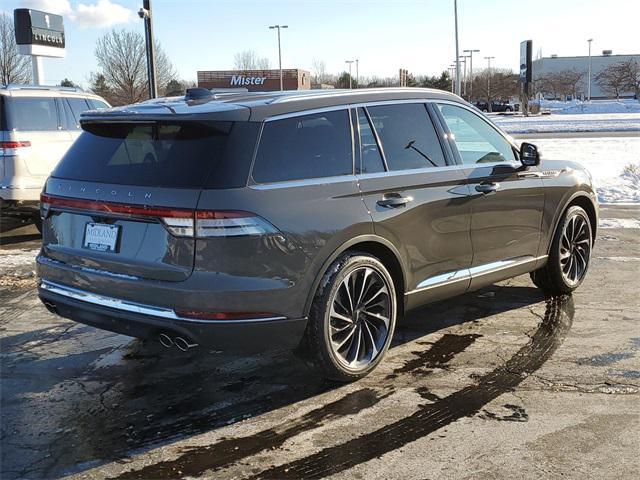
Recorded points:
(595, 106)
(588, 122)
(17, 258)
(614, 163)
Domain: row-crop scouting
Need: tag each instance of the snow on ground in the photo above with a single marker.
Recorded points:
(606, 159)
(578, 122)
(17, 258)
(595, 106)
(619, 223)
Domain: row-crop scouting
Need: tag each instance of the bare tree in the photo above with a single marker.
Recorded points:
(631, 75)
(14, 68)
(557, 84)
(496, 84)
(319, 71)
(121, 56)
(611, 79)
(249, 60)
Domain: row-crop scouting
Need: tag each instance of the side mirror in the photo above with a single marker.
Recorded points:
(529, 155)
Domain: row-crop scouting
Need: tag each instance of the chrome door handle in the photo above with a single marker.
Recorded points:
(487, 187)
(394, 200)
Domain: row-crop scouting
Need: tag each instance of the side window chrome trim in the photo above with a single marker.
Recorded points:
(413, 171)
(333, 108)
(304, 182)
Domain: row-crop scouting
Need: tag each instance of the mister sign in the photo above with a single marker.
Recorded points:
(39, 33)
(525, 61)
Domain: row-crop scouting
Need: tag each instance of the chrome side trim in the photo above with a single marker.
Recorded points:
(134, 307)
(473, 272)
(443, 279)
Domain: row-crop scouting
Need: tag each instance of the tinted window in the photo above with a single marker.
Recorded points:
(477, 141)
(31, 113)
(370, 156)
(180, 154)
(309, 146)
(78, 105)
(66, 115)
(407, 135)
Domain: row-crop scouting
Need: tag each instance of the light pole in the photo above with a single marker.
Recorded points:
(278, 27)
(350, 62)
(489, 82)
(455, 13)
(357, 73)
(471, 52)
(145, 14)
(452, 72)
(464, 74)
(589, 74)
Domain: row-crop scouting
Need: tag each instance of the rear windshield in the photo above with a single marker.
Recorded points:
(30, 113)
(162, 154)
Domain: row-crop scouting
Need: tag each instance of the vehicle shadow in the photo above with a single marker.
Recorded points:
(104, 404)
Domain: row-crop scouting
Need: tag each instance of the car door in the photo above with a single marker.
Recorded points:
(417, 197)
(507, 198)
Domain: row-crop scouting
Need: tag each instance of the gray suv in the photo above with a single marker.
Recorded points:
(305, 220)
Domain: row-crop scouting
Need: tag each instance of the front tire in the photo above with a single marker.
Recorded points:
(569, 256)
(352, 318)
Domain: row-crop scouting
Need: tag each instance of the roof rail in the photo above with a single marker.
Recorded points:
(17, 86)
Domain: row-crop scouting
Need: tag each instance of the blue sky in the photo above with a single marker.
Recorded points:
(383, 35)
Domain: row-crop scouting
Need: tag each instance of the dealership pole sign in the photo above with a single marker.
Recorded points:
(39, 34)
(525, 61)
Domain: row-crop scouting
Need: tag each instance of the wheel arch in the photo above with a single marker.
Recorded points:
(581, 199)
(373, 245)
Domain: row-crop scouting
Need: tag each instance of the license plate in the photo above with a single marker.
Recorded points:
(101, 237)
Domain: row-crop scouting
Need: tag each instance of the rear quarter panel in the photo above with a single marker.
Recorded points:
(314, 219)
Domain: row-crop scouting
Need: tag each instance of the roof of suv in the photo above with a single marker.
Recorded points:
(13, 90)
(257, 106)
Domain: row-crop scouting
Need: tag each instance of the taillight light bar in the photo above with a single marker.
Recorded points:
(9, 147)
(180, 222)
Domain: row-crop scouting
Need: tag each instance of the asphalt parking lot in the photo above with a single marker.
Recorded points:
(501, 382)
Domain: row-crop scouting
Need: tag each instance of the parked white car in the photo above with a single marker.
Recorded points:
(38, 124)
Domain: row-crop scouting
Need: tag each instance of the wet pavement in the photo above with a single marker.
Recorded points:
(501, 382)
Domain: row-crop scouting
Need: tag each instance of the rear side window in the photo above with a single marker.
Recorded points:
(408, 137)
(161, 154)
(308, 146)
(97, 104)
(370, 156)
(78, 105)
(31, 113)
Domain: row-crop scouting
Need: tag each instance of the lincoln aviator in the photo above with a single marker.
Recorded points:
(303, 220)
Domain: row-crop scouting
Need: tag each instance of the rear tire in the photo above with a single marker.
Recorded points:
(569, 255)
(352, 318)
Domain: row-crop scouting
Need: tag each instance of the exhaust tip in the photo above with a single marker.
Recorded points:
(165, 340)
(183, 344)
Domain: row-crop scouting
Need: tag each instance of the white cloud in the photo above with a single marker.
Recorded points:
(101, 14)
(60, 7)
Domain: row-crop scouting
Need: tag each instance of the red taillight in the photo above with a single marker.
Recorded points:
(180, 222)
(199, 315)
(112, 207)
(12, 147)
(15, 144)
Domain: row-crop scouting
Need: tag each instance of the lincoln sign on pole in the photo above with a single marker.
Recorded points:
(525, 74)
(39, 34)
